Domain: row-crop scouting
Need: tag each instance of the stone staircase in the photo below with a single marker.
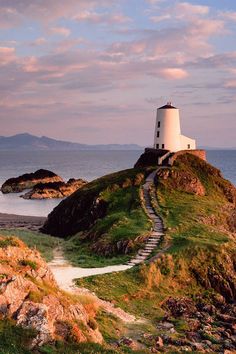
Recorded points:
(157, 233)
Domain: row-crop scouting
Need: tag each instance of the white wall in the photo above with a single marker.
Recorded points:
(186, 142)
(169, 130)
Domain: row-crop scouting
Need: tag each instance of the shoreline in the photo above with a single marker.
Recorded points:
(13, 221)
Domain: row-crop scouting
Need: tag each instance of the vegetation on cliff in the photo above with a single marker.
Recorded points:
(106, 218)
(31, 299)
(189, 292)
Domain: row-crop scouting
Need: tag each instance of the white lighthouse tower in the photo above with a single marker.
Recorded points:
(168, 133)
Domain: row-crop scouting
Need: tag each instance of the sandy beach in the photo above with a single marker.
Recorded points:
(11, 221)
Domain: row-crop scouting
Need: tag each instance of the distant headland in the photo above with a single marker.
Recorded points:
(28, 142)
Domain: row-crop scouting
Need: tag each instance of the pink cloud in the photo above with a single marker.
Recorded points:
(61, 31)
(183, 9)
(104, 18)
(173, 73)
(228, 15)
(7, 55)
(230, 84)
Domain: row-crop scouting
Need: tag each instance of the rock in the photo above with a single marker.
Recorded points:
(159, 342)
(128, 342)
(165, 325)
(82, 209)
(54, 189)
(180, 306)
(30, 296)
(29, 180)
(182, 180)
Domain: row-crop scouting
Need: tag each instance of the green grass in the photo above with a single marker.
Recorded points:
(195, 225)
(43, 243)
(125, 221)
(14, 339)
(79, 254)
(194, 220)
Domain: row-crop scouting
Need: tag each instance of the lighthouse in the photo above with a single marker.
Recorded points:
(168, 132)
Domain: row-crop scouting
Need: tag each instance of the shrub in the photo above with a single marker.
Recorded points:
(26, 262)
(8, 241)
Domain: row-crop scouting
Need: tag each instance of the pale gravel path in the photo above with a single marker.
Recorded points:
(65, 274)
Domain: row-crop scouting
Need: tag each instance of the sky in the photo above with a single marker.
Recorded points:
(95, 71)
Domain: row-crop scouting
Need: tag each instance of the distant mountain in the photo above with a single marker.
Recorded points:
(25, 141)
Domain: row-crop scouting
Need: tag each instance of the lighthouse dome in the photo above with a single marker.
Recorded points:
(167, 106)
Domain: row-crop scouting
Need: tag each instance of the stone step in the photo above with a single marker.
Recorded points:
(136, 261)
(144, 252)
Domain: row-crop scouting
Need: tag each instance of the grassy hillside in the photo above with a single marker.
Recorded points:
(193, 285)
(103, 222)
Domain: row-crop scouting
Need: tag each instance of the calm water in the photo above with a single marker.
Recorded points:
(79, 164)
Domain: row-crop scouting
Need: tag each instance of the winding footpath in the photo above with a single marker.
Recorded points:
(157, 232)
(65, 273)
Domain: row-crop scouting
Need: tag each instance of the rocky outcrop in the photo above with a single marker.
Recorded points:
(29, 295)
(81, 210)
(150, 158)
(29, 180)
(54, 189)
(182, 180)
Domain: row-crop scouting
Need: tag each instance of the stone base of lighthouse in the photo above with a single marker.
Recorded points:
(156, 157)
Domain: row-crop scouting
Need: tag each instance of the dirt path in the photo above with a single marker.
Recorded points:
(65, 274)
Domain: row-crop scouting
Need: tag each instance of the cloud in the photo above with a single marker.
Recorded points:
(184, 9)
(101, 18)
(230, 84)
(173, 73)
(61, 31)
(38, 42)
(7, 55)
(160, 18)
(228, 15)
(14, 12)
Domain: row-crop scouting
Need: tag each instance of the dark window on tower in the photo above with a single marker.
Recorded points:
(163, 146)
(157, 146)
(158, 134)
(188, 146)
(158, 124)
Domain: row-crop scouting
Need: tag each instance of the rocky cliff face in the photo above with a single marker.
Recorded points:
(181, 180)
(80, 211)
(29, 295)
(29, 180)
(54, 189)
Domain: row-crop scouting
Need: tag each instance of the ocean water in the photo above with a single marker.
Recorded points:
(79, 164)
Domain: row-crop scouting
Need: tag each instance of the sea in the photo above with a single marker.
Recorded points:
(88, 165)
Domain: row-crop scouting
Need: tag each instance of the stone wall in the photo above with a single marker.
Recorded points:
(199, 153)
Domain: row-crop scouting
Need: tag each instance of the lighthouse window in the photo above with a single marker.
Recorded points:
(163, 146)
(157, 146)
(188, 146)
(158, 124)
(158, 134)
